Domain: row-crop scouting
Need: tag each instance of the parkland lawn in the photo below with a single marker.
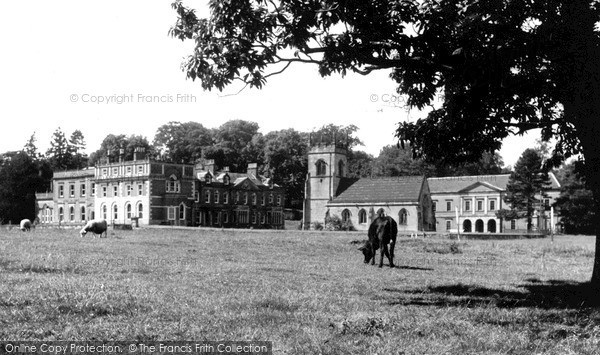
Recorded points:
(307, 292)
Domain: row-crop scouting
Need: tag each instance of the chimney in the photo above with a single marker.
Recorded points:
(252, 169)
(121, 153)
(139, 153)
(209, 165)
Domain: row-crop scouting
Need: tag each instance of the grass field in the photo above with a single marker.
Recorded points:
(309, 293)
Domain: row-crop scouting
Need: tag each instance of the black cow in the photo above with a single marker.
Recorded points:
(383, 231)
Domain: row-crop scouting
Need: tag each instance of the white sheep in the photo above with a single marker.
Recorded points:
(96, 226)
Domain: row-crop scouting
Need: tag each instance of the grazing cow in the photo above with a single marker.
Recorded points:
(25, 225)
(383, 231)
(96, 226)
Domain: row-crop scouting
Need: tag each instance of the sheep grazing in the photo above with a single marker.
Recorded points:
(97, 226)
(25, 225)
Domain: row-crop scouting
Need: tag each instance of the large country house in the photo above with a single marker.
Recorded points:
(148, 192)
(478, 198)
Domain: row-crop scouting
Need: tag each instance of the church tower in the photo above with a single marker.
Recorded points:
(327, 165)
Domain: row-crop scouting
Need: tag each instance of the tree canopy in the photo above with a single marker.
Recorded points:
(19, 180)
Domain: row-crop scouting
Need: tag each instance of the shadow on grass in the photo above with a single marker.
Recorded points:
(403, 267)
(552, 294)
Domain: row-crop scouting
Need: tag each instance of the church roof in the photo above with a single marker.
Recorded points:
(380, 190)
(454, 184)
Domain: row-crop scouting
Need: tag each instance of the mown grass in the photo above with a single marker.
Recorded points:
(309, 293)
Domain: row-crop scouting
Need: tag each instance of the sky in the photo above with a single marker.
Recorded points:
(110, 68)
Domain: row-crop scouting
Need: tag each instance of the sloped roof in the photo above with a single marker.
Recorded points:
(380, 190)
(454, 184)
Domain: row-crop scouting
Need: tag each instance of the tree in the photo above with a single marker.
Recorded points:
(113, 145)
(237, 142)
(31, 149)
(19, 180)
(182, 141)
(528, 180)
(285, 160)
(502, 67)
(59, 153)
(360, 164)
(79, 158)
(488, 164)
(396, 161)
(330, 132)
(576, 203)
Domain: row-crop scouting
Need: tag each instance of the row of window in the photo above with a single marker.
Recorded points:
(129, 189)
(242, 217)
(362, 216)
(128, 170)
(128, 211)
(467, 205)
(478, 205)
(71, 216)
(82, 190)
(238, 198)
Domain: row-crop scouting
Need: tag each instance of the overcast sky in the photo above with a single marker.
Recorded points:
(59, 58)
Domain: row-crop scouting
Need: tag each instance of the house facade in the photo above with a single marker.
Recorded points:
(358, 201)
(240, 200)
(147, 192)
(150, 192)
(71, 201)
(476, 199)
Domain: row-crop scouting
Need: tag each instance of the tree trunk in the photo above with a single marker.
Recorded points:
(579, 65)
(591, 151)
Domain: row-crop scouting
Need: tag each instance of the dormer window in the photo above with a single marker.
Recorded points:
(208, 179)
(321, 167)
(226, 179)
(173, 185)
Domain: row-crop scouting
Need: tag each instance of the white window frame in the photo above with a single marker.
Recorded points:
(171, 213)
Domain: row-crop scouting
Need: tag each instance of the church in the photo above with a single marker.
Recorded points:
(358, 202)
